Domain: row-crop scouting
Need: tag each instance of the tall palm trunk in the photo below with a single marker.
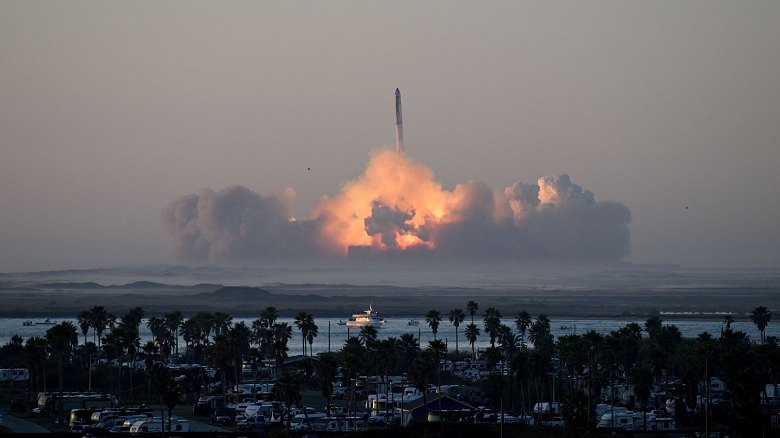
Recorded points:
(119, 379)
(60, 400)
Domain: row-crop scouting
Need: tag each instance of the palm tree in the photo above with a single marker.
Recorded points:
(278, 349)
(163, 385)
(492, 311)
(520, 367)
(286, 390)
(472, 333)
(238, 344)
(269, 316)
(409, 348)
(35, 349)
(313, 332)
(433, 318)
(326, 371)
(420, 374)
(437, 349)
(134, 317)
(173, 321)
(220, 357)
(492, 323)
(368, 335)
(59, 339)
(156, 325)
(456, 317)
(222, 322)
(99, 318)
(255, 358)
(653, 325)
(642, 379)
(83, 319)
(728, 320)
(304, 321)
(282, 332)
(149, 353)
(303, 371)
(522, 321)
(352, 358)
(761, 317)
(472, 308)
(118, 340)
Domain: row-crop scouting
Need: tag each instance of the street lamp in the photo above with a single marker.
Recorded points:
(590, 375)
(403, 390)
(707, 392)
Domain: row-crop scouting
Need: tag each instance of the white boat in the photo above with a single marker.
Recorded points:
(368, 317)
(46, 322)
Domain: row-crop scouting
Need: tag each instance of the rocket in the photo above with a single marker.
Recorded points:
(399, 124)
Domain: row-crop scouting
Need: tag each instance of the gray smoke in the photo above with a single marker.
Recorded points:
(237, 224)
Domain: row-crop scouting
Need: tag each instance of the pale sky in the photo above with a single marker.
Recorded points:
(111, 110)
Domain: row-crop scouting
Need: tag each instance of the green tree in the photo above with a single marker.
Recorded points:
(409, 348)
(304, 321)
(368, 335)
(433, 319)
(83, 319)
(653, 325)
(421, 373)
(760, 316)
(456, 318)
(472, 308)
(492, 323)
(59, 338)
(173, 322)
(472, 333)
(326, 371)
(286, 389)
(522, 321)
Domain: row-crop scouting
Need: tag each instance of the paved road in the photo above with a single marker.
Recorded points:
(197, 426)
(20, 425)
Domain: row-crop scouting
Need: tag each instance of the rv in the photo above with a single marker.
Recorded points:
(206, 405)
(49, 403)
(345, 425)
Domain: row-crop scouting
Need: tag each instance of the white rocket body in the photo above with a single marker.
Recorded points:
(399, 124)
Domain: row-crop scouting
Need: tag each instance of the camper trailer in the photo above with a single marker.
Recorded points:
(10, 375)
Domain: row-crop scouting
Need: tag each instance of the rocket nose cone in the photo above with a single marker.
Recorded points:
(397, 91)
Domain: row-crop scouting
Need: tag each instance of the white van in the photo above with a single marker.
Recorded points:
(155, 425)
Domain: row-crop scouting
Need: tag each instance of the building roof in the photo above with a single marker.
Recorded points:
(450, 403)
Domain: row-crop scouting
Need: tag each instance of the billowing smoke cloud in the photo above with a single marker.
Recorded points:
(396, 207)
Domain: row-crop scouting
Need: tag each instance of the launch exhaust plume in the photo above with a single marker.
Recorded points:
(397, 209)
(399, 124)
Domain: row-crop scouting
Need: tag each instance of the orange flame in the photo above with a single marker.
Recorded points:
(396, 181)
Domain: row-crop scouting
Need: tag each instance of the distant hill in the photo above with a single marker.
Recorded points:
(72, 285)
(144, 285)
(236, 293)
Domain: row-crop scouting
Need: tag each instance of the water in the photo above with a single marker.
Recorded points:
(398, 326)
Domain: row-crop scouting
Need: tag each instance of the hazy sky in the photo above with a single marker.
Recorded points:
(111, 110)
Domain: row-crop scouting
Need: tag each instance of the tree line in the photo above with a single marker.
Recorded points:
(527, 364)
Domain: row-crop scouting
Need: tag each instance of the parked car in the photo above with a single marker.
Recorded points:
(252, 422)
(341, 394)
(18, 405)
(381, 419)
(222, 416)
(555, 423)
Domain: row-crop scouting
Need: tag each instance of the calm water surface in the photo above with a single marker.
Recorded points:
(398, 326)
